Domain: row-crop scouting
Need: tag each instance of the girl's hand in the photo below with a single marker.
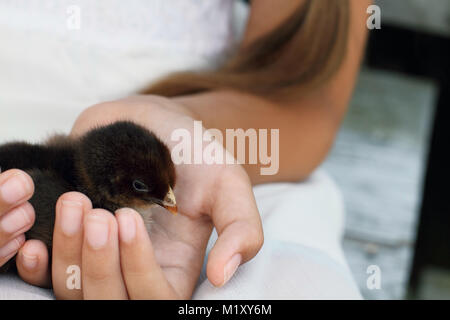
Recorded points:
(16, 213)
(115, 255)
(208, 196)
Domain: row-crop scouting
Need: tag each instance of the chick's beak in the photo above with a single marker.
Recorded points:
(169, 202)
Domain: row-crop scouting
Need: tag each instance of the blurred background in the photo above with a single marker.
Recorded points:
(390, 157)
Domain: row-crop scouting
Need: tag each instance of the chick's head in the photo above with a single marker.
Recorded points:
(126, 165)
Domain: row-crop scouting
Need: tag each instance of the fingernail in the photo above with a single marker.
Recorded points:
(15, 221)
(71, 216)
(14, 189)
(231, 267)
(127, 225)
(97, 231)
(9, 248)
(29, 261)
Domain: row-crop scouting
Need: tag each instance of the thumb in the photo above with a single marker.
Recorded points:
(238, 224)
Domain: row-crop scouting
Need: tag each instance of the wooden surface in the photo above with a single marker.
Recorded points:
(378, 161)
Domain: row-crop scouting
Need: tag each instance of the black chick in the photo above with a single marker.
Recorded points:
(118, 165)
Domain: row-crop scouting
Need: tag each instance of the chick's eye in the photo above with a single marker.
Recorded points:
(140, 186)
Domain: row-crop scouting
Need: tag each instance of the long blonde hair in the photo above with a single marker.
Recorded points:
(302, 52)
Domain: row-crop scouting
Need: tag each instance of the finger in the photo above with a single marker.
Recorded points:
(16, 187)
(238, 224)
(16, 222)
(67, 244)
(143, 276)
(10, 249)
(101, 274)
(32, 263)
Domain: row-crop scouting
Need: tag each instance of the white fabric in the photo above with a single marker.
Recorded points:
(49, 74)
(120, 46)
(302, 256)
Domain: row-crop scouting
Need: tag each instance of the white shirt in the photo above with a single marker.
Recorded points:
(85, 51)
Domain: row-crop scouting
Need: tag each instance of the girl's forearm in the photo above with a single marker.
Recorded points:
(305, 133)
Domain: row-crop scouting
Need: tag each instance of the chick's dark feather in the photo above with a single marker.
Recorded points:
(103, 164)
